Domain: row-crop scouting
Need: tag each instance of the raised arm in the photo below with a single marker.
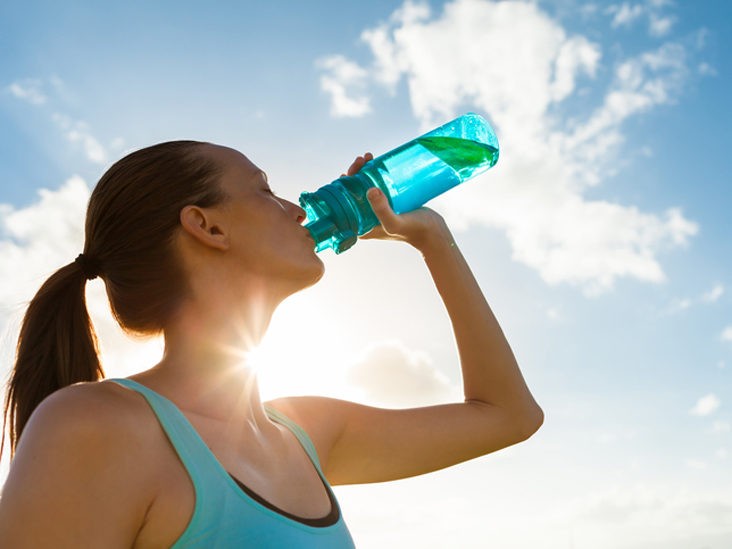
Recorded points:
(491, 375)
(365, 444)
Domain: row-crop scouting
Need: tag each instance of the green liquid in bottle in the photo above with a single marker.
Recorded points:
(462, 155)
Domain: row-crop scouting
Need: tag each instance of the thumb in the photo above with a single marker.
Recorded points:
(390, 222)
(380, 204)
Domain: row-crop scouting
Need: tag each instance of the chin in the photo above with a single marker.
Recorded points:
(307, 276)
(318, 272)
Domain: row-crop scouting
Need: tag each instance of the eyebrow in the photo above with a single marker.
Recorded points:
(264, 175)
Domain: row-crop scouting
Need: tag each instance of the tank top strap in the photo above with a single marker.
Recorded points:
(223, 515)
(191, 449)
(186, 440)
(302, 436)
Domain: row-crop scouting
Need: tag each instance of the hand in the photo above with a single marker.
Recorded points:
(416, 227)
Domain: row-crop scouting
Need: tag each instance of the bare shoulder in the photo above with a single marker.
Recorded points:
(84, 444)
(104, 396)
(86, 421)
(103, 410)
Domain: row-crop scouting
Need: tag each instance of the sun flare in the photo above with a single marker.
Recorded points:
(293, 358)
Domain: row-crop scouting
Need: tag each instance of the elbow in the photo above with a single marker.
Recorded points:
(531, 423)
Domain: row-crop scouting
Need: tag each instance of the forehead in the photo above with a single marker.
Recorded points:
(234, 165)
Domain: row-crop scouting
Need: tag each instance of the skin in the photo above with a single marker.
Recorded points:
(242, 259)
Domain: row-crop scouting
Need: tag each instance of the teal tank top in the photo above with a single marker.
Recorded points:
(226, 514)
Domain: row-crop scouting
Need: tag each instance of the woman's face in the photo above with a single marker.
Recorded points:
(266, 232)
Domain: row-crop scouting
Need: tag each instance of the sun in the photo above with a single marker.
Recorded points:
(295, 358)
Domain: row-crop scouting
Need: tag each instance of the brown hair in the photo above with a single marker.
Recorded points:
(131, 220)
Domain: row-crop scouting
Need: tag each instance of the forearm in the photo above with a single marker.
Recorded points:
(489, 369)
(490, 373)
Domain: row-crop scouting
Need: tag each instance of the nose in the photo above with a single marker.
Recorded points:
(296, 211)
(301, 215)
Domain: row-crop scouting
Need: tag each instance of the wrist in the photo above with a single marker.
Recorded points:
(435, 238)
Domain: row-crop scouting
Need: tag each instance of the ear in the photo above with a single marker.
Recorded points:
(202, 225)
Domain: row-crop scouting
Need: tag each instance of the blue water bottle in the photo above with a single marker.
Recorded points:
(410, 175)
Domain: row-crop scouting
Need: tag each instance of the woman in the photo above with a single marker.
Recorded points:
(191, 243)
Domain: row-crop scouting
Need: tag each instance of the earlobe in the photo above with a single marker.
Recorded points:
(202, 226)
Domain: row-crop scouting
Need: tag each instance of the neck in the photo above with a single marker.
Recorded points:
(206, 366)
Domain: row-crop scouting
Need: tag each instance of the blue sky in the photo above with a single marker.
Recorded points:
(601, 238)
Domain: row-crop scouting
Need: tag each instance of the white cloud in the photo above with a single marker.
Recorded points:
(535, 193)
(339, 79)
(391, 374)
(651, 516)
(727, 334)
(29, 90)
(553, 314)
(660, 26)
(719, 427)
(641, 83)
(679, 305)
(682, 304)
(706, 405)
(40, 238)
(118, 144)
(714, 294)
(625, 14)
(705, 69)
(78, 132)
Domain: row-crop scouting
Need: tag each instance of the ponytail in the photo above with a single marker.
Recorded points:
(131, 221)
(57, 347)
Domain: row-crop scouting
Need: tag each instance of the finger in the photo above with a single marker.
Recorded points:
(382, 208)
(356, 165)
(359, 163)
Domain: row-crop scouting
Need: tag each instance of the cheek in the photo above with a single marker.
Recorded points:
(267, 246)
